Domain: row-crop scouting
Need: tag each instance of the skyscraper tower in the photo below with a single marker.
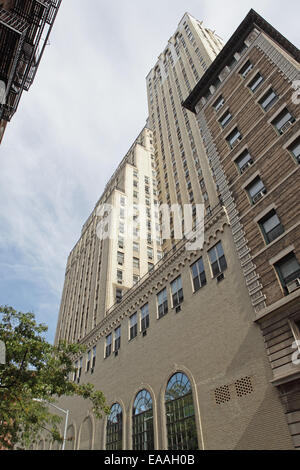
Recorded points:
(183, 171)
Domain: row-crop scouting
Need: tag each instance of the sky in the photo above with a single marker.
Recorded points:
(86, 107)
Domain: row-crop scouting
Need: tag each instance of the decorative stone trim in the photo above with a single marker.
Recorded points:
(254, 287)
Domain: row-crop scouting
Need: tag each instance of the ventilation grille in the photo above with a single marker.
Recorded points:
(222, 394)
(238, 389)
(243, 386)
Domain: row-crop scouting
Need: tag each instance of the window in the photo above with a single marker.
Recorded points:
(198, 275)
(246, 69)
(150, 266)
(256, 190)
(79, 369)
(133, 326)
(119, 295)
(267, 101)
(88, 361)
(75, 371)
(271, 226)
(136, 263)
(117, 339)
(162, 303)
(142, 422)
(136, 247)
(294, 148)
(219, 103)
(177, 292)
(225, 119)
(180, 414)
(121, 242)
(150, 253)
(283, 121)
(144, 317)
(288, 270)
(256, 82)
(108, 345)
(135, 279)
(119, 276)
(233, 137)
(217, 259)
(114, 428)
(135, 194)
(120, 258)
(122, 213)
(122, 201)
(94, 359)
(244, 161)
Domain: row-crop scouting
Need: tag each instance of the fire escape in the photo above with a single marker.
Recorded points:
(25, 26)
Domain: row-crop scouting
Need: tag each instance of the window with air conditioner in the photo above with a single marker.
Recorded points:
(233, 138)
(120, 258)
(119, 276)
(256, 190)
(271, 227)
(244, 161)
(283, 121)
(288, 270)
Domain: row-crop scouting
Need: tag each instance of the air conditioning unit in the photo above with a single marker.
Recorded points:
(293, 285)
(220, 277)
(246, 166)
(286, 126)
(258, 196)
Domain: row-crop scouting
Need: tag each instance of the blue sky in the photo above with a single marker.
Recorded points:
(87, 105)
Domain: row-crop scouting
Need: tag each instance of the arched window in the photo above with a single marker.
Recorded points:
(142, 422)
(114, 428)
(180, 413)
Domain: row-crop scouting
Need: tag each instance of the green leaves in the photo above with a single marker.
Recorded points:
(35, 370)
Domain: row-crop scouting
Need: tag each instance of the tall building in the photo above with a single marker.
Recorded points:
(101, 269)
(25, 26)
(183, 172)
(179, 354)
(251, 130)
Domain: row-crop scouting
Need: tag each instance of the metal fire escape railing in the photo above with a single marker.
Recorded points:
(29, 33)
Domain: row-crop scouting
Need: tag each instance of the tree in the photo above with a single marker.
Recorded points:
(35, 373)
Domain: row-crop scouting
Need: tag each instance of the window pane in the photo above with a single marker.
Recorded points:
(256, 188)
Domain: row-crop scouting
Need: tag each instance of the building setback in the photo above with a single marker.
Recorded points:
(25, 27)
(250, 127)
(181, 358)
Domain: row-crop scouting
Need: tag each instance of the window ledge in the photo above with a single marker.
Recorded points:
(277, 307)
